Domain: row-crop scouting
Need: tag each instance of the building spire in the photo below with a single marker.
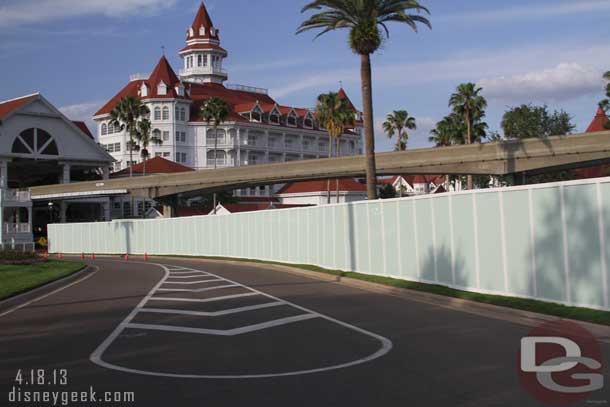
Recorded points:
(202, 26)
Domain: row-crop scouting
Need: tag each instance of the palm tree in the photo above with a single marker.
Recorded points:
(215, 111)
(605, 104)
(468, 102)
(363, 19)
(397, 123)
(334, 114)
(127, 113)
(145, 139)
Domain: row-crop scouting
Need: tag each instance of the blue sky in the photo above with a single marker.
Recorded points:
(80, 53)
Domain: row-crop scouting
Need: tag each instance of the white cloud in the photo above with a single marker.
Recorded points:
(467, 66)
(563, 82)
(548, 10)
(15, 12)
(82, 112)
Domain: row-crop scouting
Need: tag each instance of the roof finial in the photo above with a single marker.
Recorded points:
(163, 49)
(340, 84)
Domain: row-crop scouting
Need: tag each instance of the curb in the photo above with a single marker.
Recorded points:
(521, 317)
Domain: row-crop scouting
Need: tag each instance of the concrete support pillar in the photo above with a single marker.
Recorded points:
(3, 174)
(106, 174)
(65, 179)
(30, 220)
(63, 209)
(107, 208)
(170, 207)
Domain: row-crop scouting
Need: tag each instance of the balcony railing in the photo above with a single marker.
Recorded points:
(203, 70)
(17, 228)
(16, 195)
(250, 89)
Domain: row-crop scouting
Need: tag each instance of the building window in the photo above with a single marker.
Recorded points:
(274, 118)
(292, 120)
(165, 113)
(177, 113)
(183, 114)
(158, 154)
(205, 60)
(117, 147)
(162, 89)
(126, 209)
(104, 129)
(183, 137)
(166, 136)
(167, 155)
(199, 60)
(157, 113)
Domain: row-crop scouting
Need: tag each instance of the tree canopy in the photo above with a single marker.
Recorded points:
(397, 123)
(529, 121)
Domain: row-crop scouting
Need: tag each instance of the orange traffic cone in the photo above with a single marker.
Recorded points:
(92, 256)
(126, 256)
(145, 256)
(82, 256)
(46, 254)
(60, 256)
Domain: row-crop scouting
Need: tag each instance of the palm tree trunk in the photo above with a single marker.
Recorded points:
(215, 160)
(144, 157)
(330, 155)
(338, 154)
(468, 141)
(369, 129)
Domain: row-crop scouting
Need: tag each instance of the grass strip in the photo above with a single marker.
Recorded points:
(18, 279)
(541, 307)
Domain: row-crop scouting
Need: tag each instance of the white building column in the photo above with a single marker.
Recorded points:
(30, 220)
(107, 207)
(106, 174)
(238, 148)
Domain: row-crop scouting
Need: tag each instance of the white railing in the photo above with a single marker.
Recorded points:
(16, 195)
(139, 77)
(244, 88)
(17, 228)
(203, 70)
(21, 247)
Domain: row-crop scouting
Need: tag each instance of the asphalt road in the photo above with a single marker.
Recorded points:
(196, 333)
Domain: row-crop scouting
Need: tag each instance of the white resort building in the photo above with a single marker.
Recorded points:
(258, 130)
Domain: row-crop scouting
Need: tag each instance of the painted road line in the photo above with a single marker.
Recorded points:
(194, 273)
(187, 277)
(223, 332)
(197, 290)
(192, 282)
(42, 297)
(211, 314)
(225, 297)
(96, 356)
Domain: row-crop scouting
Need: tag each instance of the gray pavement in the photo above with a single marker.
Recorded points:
(196, 333)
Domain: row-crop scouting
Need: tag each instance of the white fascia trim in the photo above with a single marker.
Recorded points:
(80, 194)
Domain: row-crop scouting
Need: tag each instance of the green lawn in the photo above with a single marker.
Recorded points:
(18, 279)
(541, 307)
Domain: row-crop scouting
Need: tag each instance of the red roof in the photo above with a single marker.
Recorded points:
(598, 122)
(345, 185)
(202, 19)
(253, 207)
(10, 105)
(204, 47)
(163, 73)
(131, 89)
(343, 95)
(84, 128)
(157, 165)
